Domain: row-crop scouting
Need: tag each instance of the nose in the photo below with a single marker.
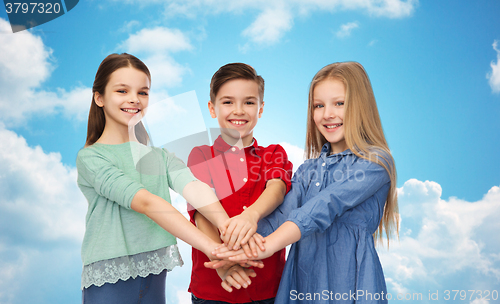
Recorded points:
(238, 109)
(329, 112)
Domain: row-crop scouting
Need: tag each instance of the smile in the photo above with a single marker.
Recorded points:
(131, 111)
(333, 126)
(238, 122)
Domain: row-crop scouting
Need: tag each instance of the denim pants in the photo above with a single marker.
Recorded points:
(148, 290)
(195, 300)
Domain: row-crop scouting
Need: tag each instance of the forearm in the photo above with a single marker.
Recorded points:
(170, 219)
(269, 200)
(200, 196)
(286, 234)
(206, 227)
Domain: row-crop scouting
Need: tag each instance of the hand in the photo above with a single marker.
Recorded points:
(235, 276)
(237, 230)
(223, 252)
(214, 264)
(250, 248)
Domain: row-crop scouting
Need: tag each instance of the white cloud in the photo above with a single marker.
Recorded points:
(345, 29)
(155, 46)
(295, 154)
(24, 65)
(442, 240)
(40, 199)
(494, 75)
(275, 18)
(157, 40)
(42, 214)
(269, 26)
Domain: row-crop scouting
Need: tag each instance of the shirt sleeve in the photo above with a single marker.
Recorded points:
(361, 181)
(278, 166)
(291, 202)
(100, 173)
(178, 173)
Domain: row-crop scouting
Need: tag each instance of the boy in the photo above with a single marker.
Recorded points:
(249, 180)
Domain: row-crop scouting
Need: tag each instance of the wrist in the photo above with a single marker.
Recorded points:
(252, 214)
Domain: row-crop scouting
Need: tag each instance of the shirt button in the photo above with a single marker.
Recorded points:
(323, 164)
(242, 159)
(317, 184)
(233, 149)
(245, 179)
(244, 207)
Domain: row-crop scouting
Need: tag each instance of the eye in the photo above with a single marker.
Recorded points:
(339, 103)
(121, 91)
(144, 93)
(226, 102)
(317, 106)
(250, 102)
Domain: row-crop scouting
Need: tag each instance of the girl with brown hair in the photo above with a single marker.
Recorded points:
(131, 227)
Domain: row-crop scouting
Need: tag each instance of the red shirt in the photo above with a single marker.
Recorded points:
(239, 177)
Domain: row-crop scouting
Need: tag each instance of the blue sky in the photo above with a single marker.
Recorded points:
(434, 67)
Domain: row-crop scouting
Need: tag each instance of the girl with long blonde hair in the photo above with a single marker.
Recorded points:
(342, 199)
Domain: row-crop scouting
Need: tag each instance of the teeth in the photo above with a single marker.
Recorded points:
(334, 126)
(238, 122)
(131, 110)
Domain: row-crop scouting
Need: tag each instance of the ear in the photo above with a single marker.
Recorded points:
(261, 109)
(98, 100)
(211, 109)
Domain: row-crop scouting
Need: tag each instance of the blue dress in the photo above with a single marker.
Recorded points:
(337, 201)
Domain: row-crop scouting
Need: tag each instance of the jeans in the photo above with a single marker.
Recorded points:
(148, 290)
(196, 300)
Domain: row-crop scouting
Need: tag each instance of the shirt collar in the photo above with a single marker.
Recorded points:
(222, 146)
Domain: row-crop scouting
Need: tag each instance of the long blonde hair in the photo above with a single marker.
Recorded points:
(362, 131)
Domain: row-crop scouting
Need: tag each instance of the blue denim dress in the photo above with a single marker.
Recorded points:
(337, 201)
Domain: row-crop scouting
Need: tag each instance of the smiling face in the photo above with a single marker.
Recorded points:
(125, 98)
(237, 107)
(328, 107)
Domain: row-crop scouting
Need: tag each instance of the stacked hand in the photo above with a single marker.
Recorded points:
(238, 235)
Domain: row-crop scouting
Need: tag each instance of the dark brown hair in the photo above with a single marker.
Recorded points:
(97, 120)
(233, 71)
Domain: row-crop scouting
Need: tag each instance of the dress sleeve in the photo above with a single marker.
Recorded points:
(359, 182)
(291, 202)
(278, 166)
(178, 174)
(100, 173)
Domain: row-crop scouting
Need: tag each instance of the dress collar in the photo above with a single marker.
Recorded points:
(325, 152)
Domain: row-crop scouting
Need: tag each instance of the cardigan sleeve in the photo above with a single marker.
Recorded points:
(361, 181)
(100, 173)
(178, 173)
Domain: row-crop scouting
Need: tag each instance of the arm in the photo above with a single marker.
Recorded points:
(359, 181)
(244, 225)
(167, 217)
(277, 174)
(204, 200)
(286, 234)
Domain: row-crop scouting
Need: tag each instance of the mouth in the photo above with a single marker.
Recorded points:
(131, 111)
(238, 122)
(333, 126)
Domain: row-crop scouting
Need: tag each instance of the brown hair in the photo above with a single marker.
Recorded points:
(97, 120)
(233, 71)
(363, 131)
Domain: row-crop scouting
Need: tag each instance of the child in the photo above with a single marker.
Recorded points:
(127, 250)
(250, 182)
(340, 195)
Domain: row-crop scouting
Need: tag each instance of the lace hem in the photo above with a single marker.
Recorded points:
(123, 268)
